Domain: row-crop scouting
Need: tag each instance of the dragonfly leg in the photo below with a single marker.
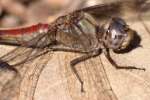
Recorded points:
(80, 59)
(108, 56)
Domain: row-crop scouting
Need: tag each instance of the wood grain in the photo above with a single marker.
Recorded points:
(56, 81)
(102, 80)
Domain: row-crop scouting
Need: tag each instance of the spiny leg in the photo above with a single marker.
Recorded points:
(80, 59)
(107, 54)
(76, 60)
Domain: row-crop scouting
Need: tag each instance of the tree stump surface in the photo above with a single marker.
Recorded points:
(102, 81)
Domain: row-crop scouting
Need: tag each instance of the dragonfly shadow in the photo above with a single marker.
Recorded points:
(5, 66)
(135, 43)
(11, 83)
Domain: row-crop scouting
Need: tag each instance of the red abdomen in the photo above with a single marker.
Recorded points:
(19, 36)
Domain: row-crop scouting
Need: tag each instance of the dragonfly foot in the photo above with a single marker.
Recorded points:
(132, 67)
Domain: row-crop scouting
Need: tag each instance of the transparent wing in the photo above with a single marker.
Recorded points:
(118, 8)
(27, 72)
(95, 76)
(17, 63)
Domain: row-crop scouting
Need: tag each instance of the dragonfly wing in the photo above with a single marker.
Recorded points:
(21, 55)
(28, 49)
(118, 8)
(19, 62)
(25, 80)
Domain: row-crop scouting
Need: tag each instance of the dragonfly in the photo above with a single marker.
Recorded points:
(77, 32)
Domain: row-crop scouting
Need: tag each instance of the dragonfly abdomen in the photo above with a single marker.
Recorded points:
(21, 36)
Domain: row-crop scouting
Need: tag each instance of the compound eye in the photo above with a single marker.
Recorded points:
(118, 37)
(119, 21)
(116, 34)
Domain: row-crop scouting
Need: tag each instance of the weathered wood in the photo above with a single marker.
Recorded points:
(57, 82)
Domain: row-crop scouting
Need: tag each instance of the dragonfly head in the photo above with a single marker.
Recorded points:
(118, 35)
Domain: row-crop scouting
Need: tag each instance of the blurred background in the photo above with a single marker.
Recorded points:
(15, 13)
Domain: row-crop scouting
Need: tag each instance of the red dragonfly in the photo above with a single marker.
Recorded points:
(74, 32)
